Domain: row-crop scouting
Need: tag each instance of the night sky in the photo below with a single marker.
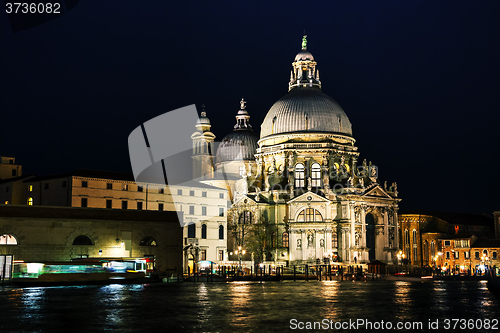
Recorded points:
(419, 81)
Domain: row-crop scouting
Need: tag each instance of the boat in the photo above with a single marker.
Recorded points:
(493, 283)
(79, 272)
(408, 277)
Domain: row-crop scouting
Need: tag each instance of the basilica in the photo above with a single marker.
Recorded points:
(299, 193)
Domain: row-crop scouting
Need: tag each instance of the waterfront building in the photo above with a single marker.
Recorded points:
(301, 196)
(9, 168)
(48, 234)
(423, 234)
(204, 206)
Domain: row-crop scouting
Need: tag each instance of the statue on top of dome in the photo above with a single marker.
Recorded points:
(304, 42)
(242, 103)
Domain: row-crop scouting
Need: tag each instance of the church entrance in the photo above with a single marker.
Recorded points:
(370, 235)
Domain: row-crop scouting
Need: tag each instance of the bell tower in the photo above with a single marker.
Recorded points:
(203, 146)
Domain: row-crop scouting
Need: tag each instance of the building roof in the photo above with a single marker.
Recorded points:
(8, 180)
(305, 110)
(90, 174)
(236, 146)
(458, 236)
(454, 218)
(486, 242)
(87, 213)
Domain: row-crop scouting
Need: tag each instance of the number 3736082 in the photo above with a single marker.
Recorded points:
(32, 8)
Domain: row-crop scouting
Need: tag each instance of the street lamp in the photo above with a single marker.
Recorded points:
(240, 253)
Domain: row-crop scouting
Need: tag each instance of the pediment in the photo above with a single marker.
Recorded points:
(308, 197)
(244, 199)
(378, 192)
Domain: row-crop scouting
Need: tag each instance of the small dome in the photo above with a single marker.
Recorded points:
(305, 110)
(203, 121)
(237, 145)
(304, 55)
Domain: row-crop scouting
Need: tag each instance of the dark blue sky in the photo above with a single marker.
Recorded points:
(419, 81)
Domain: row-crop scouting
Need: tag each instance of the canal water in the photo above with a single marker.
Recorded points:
(252, 307)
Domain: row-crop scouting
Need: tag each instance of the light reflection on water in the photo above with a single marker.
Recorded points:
(238, 306)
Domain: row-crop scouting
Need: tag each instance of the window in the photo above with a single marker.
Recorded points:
(447, 243)
(415, 255)
(204, 194)
(84, 202)
(284, 239)
(125, 187)
(109, 203)
(221, 195)
(160, 207)
(203, 255)
(7, 189)
(7, 239)
(64, 183)
(433, 249)
(46, 186)
(221, 232)
(447, 254)
(179, 192)
(191, 193)
(204, 231)
(139, 205)
(140, 189)
(242, 171)
(109, 186)
(476, 254)
(273, 240)
(316, 175)
(85, 183)
(466, 255)
(299, 175)
(221, 211)
(191, 210)
(245, 218)
(334, 240)
(161, 190)
(82, 240)
(30, 201)
(457, 255)
(485, 253)
(148, 241)
(191, 231)
(414, 234)
(14, 173)
(494, 256)
(30, 188)
(221, 255)
(203, 210)
(124, 204)
(309, 215)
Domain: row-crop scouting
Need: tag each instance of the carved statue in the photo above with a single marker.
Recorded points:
(321, 242)
(310, 240)
(385, 185)
(349, 181)
(290, 160)
(299, 243)
(361, 182)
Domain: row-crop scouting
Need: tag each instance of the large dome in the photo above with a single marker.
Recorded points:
(236, 143)
(305, 109)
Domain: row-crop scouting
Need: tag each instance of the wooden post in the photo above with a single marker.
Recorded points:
(294, 271)
(307, 272)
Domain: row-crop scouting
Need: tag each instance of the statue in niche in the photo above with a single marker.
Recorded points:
(349, 181)
(325, 161)
(310, 239)
(321, 242)
(361, 182)
(299, 243)
(290, 160)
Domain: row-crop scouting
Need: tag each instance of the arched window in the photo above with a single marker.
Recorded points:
(316, 175)
(7, 239)
(299, 175)
(485, 253)
(426, 252)
(30, 201)
(82, 240)
(309, 215)
(221, 232)
(273, 240)
(148, 241)
(191, 231)
(284, 239)
(204, 231)
(245, 218)
(433, 250)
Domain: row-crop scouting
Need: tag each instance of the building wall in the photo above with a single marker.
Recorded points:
(47, 234)
(9, 168)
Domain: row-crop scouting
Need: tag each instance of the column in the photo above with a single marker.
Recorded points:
(352, 218)
(363, 231)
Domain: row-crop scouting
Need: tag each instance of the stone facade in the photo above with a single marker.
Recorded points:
(45, 234)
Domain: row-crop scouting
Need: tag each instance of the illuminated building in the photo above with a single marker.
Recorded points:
(301, 195)
(45, 234)
(423, 234)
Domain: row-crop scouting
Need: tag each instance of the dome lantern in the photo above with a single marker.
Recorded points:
(304, 73)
